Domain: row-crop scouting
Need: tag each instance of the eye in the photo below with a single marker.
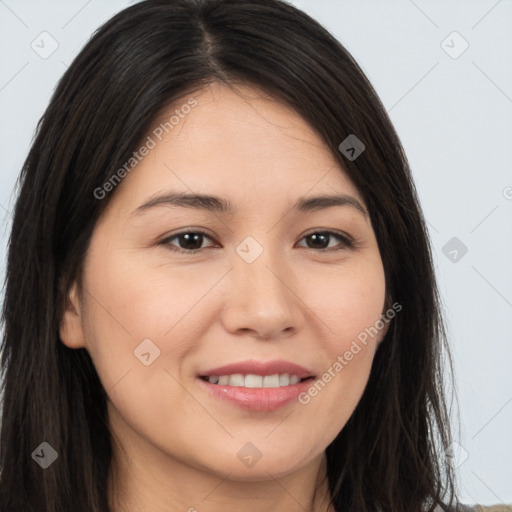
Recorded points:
(189, 241)
(321, 240)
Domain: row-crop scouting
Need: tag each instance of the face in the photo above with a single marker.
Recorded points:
(173, 290)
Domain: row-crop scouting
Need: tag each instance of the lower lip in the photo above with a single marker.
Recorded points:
(257, 399)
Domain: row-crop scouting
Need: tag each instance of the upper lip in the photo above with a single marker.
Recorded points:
(260, 368)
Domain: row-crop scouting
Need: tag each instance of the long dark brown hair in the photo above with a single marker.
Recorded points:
(390, 455)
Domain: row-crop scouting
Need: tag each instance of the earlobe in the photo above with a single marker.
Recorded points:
(71, 328)
(383, 332)
(387, 322)
(385, 318)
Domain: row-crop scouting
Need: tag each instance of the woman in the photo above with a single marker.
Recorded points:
(219, 290)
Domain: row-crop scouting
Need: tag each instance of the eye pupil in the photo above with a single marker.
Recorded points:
(188, 237)
(317, 237)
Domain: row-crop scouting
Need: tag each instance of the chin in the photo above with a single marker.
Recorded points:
(262, 467)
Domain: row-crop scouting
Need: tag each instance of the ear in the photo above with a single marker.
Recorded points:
(383, 332)
(71, 326)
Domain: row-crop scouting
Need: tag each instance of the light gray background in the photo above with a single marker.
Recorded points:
(454, 117)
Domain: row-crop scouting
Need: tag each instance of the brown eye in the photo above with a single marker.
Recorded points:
(187, 241)
(321, 239)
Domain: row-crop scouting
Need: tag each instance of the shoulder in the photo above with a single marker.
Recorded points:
(480, 508)
(494, 508)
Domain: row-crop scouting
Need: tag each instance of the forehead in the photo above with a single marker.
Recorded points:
(238, 143)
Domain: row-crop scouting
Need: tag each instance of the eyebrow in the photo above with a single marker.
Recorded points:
(220, 205)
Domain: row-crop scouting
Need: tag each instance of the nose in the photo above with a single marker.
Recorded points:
(261, 298)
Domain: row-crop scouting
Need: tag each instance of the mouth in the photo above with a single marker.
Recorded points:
(255, 381)
(258, 386)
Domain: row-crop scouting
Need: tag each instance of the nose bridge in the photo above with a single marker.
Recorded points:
(261, 295)
(261, 278)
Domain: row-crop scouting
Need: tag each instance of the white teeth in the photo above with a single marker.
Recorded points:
(271, 381)
(224, 380)
(236, 380)
(255, 381)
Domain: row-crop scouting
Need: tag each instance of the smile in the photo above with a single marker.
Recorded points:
(255, 381)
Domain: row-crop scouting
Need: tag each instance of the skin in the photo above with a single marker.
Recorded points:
(176, 446)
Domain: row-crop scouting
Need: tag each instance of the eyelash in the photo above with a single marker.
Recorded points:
(347, 243)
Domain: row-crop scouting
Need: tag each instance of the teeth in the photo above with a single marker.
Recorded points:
(294, 379)
(271, 381)
(236, 380)
(255, 381)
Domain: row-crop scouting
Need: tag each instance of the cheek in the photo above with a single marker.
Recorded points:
(350, 303)
(129, 303)
(138, 301)
(350, 306)
(134, 334)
